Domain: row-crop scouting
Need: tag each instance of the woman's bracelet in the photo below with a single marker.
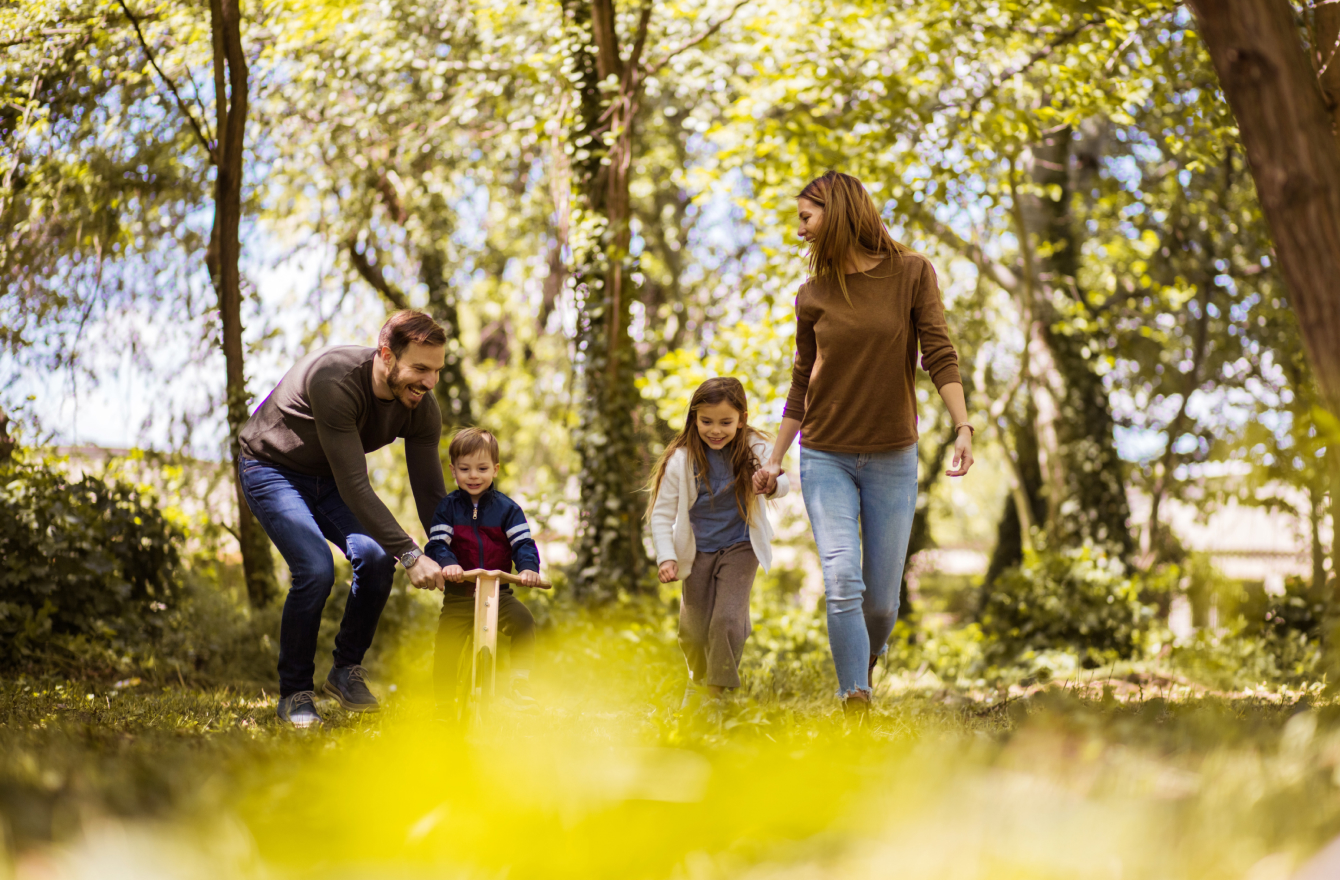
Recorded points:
(960, 426)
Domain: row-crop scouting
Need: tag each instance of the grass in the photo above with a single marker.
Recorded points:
(1114, 780)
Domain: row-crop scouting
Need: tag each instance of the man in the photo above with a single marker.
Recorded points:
(304, 474)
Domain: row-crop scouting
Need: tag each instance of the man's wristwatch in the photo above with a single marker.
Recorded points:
(410, 557)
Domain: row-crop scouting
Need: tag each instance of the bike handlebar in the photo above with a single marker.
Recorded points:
(505, 576)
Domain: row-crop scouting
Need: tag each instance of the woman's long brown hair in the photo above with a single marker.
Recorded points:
(851, 227)
(744, 462)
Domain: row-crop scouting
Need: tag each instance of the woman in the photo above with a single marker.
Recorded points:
(867, 305)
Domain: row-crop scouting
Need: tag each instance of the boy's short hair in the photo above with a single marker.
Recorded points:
(468, 441)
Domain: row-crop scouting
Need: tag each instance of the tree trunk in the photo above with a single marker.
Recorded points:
(1316, 510)
(1291, 147)
(1093, 504)
(1009, 550)
(920, 537)
(1331, 480)
(452, 389)
(1158, 548)
(1326, 36)
(230, 95)
(609, 554)
(6, 442)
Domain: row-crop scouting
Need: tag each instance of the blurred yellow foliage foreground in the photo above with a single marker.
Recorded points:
(609, 780)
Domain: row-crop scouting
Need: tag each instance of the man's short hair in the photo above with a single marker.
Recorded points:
(468, 441)
(408, 326)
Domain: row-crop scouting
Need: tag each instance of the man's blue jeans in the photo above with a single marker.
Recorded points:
(300, 514)
(860, 502)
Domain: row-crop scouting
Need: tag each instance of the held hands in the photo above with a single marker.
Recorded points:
(962, 454)
(669, 571)
(425, 574)
(454, 573)
(765, 479)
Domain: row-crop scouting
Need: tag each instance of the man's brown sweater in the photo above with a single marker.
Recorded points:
(853, 386)
(323, 418)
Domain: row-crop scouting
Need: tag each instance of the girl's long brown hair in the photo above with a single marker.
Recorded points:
(851, 227)
(722, 389)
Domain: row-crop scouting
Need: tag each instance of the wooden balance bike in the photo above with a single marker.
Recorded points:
(484, 650)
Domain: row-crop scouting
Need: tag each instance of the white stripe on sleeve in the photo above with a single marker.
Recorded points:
(517, 528)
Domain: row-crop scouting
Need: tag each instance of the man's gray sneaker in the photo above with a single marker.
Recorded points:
(299, 710)
(348, 685)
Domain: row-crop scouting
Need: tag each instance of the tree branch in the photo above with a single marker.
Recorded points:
(373, 275)
(606, 36)
(997, 272)
(639, 43)
(181, 104)
(1000, 79)
(694, 41)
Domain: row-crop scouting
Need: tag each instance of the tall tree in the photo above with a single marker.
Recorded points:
(1288, 114)
(610, 556)
(222, 258)
(609, 75)
(1087, 490)
(1289, 136)
(93, 191)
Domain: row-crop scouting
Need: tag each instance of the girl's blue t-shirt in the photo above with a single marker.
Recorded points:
(714, 516)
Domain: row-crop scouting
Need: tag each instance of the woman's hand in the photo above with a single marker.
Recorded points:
(669, 571)
(962, 453)
(765, 478)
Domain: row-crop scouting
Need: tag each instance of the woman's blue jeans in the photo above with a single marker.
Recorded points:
(301, 513)
(861, 507)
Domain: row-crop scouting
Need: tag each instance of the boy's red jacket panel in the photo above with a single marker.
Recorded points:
(492, 534)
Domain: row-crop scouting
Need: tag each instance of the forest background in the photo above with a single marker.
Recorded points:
(597, 200)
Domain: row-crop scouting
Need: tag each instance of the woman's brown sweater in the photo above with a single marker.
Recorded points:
(853, 383)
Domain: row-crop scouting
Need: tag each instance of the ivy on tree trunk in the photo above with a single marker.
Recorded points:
(609, 552)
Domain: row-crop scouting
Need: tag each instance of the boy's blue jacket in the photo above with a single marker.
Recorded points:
(492, 535)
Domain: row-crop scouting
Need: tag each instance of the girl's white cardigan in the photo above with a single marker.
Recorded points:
(670, 529)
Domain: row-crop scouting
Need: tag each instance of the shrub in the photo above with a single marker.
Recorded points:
(1263, 639)
(80, 560)
(1076, 600)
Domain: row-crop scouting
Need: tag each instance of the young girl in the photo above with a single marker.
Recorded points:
(710, 527)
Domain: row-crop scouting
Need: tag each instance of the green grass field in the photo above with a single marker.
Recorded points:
(1100, 776)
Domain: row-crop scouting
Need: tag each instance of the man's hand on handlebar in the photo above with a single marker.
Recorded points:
(425, 574)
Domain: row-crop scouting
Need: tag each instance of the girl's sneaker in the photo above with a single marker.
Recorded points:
(693, 697)
(521, 696)
(856, 704)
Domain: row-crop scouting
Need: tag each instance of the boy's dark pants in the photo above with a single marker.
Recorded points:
(714, 614)
(456, 627)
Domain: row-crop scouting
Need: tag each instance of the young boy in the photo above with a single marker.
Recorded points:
(479, 527)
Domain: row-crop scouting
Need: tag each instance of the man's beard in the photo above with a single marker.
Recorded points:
(401, 388)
